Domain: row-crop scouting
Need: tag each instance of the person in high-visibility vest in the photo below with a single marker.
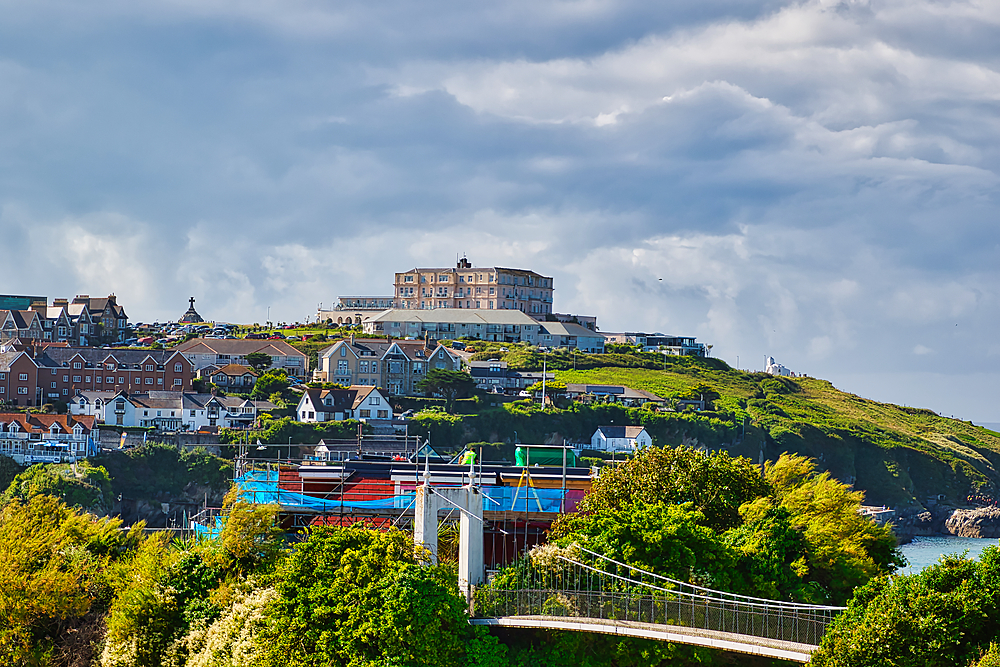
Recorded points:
(469, 458)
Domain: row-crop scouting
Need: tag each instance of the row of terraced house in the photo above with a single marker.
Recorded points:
(84, 321)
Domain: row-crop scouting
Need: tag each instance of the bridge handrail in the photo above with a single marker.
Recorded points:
(706, 593)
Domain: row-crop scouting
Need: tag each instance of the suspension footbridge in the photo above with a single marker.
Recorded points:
(581, 590)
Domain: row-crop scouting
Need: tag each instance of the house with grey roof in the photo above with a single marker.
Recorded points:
(365, 403)
(613, 438)
(175, 411)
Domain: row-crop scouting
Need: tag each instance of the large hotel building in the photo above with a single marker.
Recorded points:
(465, 286)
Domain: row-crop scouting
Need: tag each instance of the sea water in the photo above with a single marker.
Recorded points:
(924, 551)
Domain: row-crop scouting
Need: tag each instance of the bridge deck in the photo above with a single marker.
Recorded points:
(725, 641)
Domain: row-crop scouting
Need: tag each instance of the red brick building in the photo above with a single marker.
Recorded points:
(18, 379)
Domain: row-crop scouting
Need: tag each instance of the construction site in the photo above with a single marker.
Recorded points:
(374, 481)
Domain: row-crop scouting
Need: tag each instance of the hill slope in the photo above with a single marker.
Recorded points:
(899, 456)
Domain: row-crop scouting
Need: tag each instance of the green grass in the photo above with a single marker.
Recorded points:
(898, 455)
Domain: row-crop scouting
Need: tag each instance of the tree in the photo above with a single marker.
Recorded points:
(349, 596)
(716, 484)
(450, 384)
(259, 361)
(945, 616)
(845, 548)
(271, 382)
(552, 387)
(53, 576)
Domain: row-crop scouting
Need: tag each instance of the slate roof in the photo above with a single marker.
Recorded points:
(238, 347)
(621, 431)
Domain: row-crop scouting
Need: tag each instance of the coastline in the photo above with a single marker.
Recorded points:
(944, 520)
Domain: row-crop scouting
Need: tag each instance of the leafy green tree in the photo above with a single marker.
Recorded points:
(259, 361)
(670, 540)
(845, 549)
(353, 597)
(271, 382)
(89, 487)
(449, 384)
(716, 484)
(944, 616)
(552, 387)
(8, 471)
(53, 576)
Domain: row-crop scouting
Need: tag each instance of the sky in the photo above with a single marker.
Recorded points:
(815, 181)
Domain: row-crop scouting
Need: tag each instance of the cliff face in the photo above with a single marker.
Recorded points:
(980, 522)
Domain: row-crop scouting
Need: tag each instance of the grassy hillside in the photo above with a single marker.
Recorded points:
(897, 455)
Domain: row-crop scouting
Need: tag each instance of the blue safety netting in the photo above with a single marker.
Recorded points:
(261, 487)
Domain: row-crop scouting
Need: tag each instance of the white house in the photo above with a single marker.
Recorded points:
(356, 402)
(169, 410)
(620, 439)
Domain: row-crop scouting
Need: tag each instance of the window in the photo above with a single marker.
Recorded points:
(22, 390)
(374, 400)
(52, 386)
(178, 368)
(76, 364)
(149, 367)
(110, 367)
(159, 381)
(383, 414)
(3, 390)
(145, 413)
(110, 380)
(86, 379)
(342, 366)
(193, 413)
(65, 378)
(177, 383)
(22, 377)
(121, 380)
(374, 367)
(149, 380)
(365, 414)
(343, 350)
(76, 378)
(65, 392)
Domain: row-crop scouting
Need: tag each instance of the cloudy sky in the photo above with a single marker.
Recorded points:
(817, 181)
